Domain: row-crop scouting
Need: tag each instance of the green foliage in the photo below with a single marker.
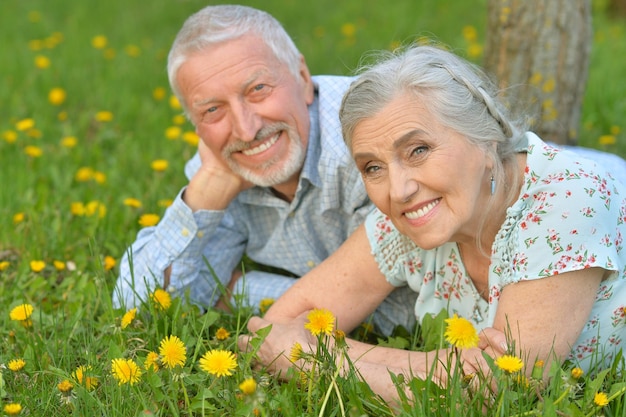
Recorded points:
(65, 217)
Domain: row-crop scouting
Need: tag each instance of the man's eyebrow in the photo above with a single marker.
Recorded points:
(249, 81)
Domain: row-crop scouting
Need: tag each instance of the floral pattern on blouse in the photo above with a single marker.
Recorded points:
(570, 215)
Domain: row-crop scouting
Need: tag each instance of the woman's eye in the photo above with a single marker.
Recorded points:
(371, 169)
(419, 150)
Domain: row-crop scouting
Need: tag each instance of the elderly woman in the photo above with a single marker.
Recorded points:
(478, 216)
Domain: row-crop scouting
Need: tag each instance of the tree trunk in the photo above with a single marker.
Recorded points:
(541, 49)
(617, 8)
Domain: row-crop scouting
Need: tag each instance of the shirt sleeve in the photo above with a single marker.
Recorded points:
(182, 240)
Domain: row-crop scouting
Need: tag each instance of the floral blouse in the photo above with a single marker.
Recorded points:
(570, 215)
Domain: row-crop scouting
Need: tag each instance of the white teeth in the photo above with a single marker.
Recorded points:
(412, 215)
(264, 146)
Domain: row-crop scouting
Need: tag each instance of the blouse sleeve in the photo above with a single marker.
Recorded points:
(392, 250)
(568, 218)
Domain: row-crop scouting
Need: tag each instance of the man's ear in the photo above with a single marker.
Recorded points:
(307, 81)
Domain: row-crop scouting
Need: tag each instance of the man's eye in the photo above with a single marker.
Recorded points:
(259, 87)
(211, 109)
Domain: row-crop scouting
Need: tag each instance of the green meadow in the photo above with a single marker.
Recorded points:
(92, 149)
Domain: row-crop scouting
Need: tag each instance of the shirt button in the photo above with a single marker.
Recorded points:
(310, 264)
(185, 232)
(200, 234)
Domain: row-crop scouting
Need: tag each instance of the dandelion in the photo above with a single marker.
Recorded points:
(128, 318)
(33, 151)
(340, 338)
(577, 373)
(607, 140)
(159, 165)
(159, 93)
(320, 321)
(248, 386)
(470, 33)
(69, 141)
(174, 103)
(125, 371)
(109, 262)
(9, 136)
(4, 265)
(16, 365)
(600, 399)
(95, 207)
(296, 352)
(172, 351)
(58, 265)
(222, 334)
(191, 138)
(148, 219)
(65, 386)
(13, 409)
(104, 116)
(161, 299)
(99, 177)
(42, 61)
(179, 119)
(509, 363)
(77, 208)
(99, 41)
(18, 218)
(165, 203)
(81, 375)
(25, 124)
(218, 362)
(173, 132)
(460, 333)
(132, 50)
(348, 30)
(21, 312)
(56, 96)
(84, 174)
(538, 370)
(152, 361)
(265, 304)
(132, 202)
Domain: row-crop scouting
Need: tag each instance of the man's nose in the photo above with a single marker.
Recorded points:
(246, 122)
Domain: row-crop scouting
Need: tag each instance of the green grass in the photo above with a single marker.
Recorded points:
(73, 322)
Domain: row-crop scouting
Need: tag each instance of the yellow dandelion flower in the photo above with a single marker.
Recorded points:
(132, 50)
(99, 41)
(179, 119)
(222, 334)
(128, 318)
(148, 219)
(58, 265)
(13, 409)
(33, 151)
(470, 33)
(77, 208)
(25, 124)
(509, 363)
(161, 299)
(65, 386)
(174, 103)
(577, 373)
(81, 375)
(600, 399)
(172, 351)
(615, 130)
(191, 138)
(21, 312)
(84, 174)
(34, 133)
(265, 304)
(132, 202)
(9, 136)
(296, 352)
(152, 361)
(159, 93)
(348, 29)
(159, 165)
(165, 203)
(248, 386)
(460, 333)
(95, 207)
(104, 116)
(4, 265)
(57, 96)
(218, 362)
(125, 371)
(340, 338)
(18, 218)
(320, 321)
(109, 53)
(607, 140)
(173, 132)
(42, 61)
(538, 369)
(16, 365)
(474, 50)
(37, 265)
(99, 177)
(69, 141)
(109, 263)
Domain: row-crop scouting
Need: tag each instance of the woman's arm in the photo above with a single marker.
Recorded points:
(545, 316)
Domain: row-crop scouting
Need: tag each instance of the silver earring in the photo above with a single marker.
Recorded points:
(493, 185)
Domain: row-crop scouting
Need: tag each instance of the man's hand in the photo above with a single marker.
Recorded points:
(215, 185)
